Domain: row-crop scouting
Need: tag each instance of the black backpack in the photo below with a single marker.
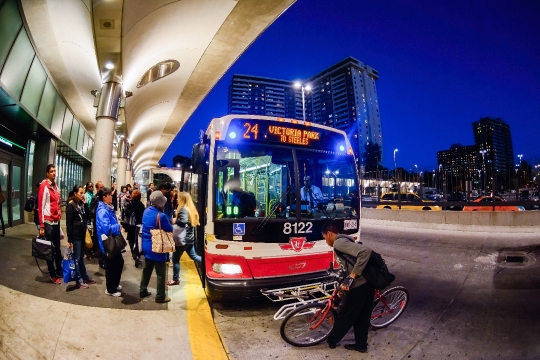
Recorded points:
(376, 272)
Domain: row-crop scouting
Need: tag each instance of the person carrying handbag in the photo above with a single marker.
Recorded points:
(107, 225)
(188, 218)
(76, 220)
(152, 260)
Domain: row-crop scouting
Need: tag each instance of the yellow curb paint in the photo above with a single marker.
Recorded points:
(203, 335)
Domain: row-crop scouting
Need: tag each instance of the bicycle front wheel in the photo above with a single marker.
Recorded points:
(394, 302)
(308, 324)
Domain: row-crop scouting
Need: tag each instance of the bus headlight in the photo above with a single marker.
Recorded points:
(227, 269)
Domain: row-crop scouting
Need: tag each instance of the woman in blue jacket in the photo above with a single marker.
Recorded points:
(151, 259)
(106, 224)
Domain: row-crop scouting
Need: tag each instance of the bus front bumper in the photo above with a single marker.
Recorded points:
(226, 289)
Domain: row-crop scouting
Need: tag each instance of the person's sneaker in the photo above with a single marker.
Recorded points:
(119, 288)
(166, 300)
(89, 281)
(56, 280)
(146, 294)
(356, 347)
(173, 282)
(82, 286)
(116, 294)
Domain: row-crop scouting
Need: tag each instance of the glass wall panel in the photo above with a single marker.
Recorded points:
(90, 149)
(74, 134)
(17, 64)
(58, 116)
(10, 24)
(16, 193)
(30, 187)
(47, 104)
(80, 139)
(4, 178)
(66, 128)
(68, 174)
(84, 143)
(33, 87)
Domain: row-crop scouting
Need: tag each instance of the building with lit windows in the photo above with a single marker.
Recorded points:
(343, 96)
(264, 96)
(493, 136)
(488, 163)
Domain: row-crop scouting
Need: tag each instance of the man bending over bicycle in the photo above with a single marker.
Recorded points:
(357, 302)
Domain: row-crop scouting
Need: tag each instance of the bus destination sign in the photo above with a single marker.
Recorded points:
(285, 133)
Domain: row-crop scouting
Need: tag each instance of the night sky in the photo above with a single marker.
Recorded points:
(442, 65)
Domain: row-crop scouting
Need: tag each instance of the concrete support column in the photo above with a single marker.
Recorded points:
(106, 116)
(122, 163)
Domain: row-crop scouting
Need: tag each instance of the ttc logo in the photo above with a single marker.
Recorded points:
(297, 244)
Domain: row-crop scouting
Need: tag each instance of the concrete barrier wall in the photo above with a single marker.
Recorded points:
(489, 221)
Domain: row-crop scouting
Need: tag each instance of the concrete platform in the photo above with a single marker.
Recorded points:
(41, 320)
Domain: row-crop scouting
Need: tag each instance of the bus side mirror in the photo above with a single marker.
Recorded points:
(199, 158)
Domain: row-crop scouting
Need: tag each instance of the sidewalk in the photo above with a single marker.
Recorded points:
(40, 320)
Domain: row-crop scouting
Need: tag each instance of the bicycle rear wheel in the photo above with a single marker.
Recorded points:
(308, 325)
(396, 300)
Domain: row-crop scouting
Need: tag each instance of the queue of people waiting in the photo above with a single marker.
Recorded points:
(103, 212)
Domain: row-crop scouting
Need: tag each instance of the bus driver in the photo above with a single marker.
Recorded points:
(311, 193)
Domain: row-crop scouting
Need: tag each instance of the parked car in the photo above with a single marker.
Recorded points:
(490, 200)
(409, 201)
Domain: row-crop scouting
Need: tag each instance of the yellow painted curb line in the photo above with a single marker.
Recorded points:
(203, 335)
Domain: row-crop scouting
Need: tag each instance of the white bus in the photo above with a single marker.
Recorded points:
(249, 172)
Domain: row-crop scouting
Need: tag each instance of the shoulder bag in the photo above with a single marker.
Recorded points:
(114, 245)
(42, 249)
(162, 241)
(179, 235)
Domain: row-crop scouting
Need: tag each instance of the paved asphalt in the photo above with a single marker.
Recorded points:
(466, 302)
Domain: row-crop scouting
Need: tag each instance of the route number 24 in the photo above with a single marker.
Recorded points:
(297, 228)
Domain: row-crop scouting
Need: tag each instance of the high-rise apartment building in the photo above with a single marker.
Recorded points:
(344, 96)
(264, 96)
(493, 136)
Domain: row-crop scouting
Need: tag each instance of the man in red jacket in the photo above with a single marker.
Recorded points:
(50, 213)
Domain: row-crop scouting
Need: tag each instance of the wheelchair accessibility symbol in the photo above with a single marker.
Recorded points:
(239, 229)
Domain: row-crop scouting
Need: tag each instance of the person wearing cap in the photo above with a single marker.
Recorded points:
(151, 259)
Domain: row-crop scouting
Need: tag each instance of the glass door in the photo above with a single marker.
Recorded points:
(4, 180)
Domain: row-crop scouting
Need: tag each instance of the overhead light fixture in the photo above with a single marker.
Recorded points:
(109, 65)
(118, 122)
(121, 136)
(158, 71)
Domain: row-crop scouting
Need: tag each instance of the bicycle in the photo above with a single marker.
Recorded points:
(309, 322)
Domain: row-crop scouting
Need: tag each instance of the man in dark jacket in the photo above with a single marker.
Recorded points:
(356, 305)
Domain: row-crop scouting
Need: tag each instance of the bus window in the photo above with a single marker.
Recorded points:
(250, 180)
(332, 180)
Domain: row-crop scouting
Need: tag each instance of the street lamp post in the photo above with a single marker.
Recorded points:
(483, 152)
(304, 88)
(395, 168)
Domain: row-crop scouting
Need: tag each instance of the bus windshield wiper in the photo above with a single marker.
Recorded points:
(273, 209)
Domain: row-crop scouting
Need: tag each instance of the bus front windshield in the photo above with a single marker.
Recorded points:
(254, 181)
